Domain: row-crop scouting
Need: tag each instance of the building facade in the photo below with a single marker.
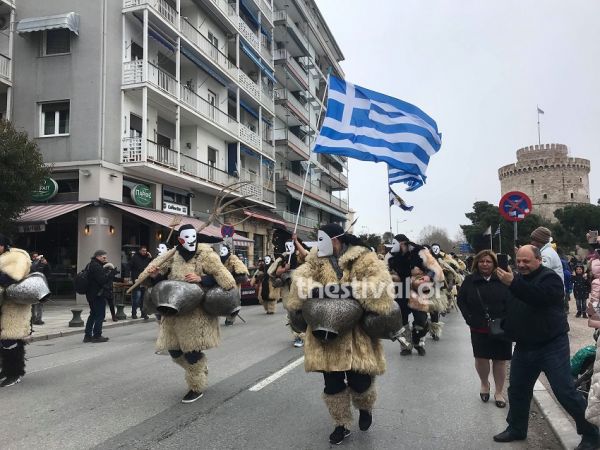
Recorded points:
(7, 17)
(147, 109)
(549, 176)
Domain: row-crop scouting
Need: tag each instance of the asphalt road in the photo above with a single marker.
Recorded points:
(122, 395)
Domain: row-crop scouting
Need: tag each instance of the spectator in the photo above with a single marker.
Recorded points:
(139, 261)
(541, 238)
(581, 289)
(567, 278)
(537, 322)
(38, 264)
(107, 289)
(483, 297)
(97, 278)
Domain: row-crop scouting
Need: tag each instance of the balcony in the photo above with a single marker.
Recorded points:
(256, 189)
(10, 3)
(133, 73)
(207, 48)
(293, 67)
(284, 137)
(282, 18)
(249, 137)
(248, 85)
(265, 9)
(334, 173)
(266, 98)
(303, 221)
(248, 34)
(297, 182)
(206, 172)
(5, 68)
(285, 97)
(209, 111)
(166, 11)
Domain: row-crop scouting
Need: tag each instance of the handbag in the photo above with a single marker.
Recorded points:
(494, 325)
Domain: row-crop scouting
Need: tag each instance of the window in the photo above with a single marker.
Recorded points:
(54, 119)
(56, 42)
(214, 51)
(137, 52)
(532, 181)
(572, 196)
(135, 126)
(213, 102)
(545, 196)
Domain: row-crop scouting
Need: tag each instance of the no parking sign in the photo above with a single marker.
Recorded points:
(515, 206)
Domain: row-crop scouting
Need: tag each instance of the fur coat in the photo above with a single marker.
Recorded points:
(237, 268)
(353, 350)
(195, 330)
(14, 318)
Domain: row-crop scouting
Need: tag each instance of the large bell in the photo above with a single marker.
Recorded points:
(297, 322)
(383, 326)
(172, 297)
(219, 302)
(329, 318)
(31, 289)
(148, 305)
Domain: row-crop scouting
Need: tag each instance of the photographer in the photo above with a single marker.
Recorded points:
(98, 278)
(537, 322)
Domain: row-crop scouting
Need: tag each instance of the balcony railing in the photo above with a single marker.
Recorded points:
(226, 8)
(286, 96)
(322, 193)
(293, 140)
(248, 85)
(304, 221)
(161, 6)
(265, 8)
(266, 98)
(268, 149)
(249, 136)
(161, 155)
(4, 67)
(207, 48)
(336, 174)
(248, 34)
(282, 16)
(133, 72)
(131, 150)
(208, 110)
(207, 172)
(293, 66)
(255, 188)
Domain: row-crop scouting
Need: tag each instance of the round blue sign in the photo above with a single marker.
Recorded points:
(515, 206)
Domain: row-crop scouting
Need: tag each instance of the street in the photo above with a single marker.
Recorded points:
(122, 395)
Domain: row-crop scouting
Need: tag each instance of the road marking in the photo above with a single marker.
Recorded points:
(257, 387)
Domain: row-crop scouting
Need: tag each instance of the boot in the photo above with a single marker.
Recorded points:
(339, 408)
(13, 362)
(364, 402)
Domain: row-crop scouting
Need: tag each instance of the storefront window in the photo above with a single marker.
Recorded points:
(259, 247)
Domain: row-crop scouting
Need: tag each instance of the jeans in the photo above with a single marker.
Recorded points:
(137, 297)
(335, 382)
(36, 313)
(553, 359)
(581, 305)
(93, 325)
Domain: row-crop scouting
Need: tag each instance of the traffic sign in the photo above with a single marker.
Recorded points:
(515, 206)
(227, 230)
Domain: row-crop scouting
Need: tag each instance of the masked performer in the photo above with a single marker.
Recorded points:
(350, 361)
(238, 269)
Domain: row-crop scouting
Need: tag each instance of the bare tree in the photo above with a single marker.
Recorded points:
(436, 235)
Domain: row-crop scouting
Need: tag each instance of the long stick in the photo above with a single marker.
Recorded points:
(389, 205)
(310, 149)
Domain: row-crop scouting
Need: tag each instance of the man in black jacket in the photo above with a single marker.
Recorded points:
(139, 261)
(97, 278)
(537, 322)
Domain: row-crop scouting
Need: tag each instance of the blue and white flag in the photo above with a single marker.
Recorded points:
(497, 233)
(396, 200)
(370, 126)
(412, 182)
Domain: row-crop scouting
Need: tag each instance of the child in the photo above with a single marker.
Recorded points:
(581, 290)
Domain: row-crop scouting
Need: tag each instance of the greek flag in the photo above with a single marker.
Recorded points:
(413, 182)
(370, 126)
(396, 200)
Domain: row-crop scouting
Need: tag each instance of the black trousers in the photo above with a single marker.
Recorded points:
(335, 382)
(420, 325)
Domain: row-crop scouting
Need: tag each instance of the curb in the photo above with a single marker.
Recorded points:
(81, 330)
(559, 422)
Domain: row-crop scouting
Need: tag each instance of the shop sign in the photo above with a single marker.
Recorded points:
(91, 221)
(175, 208)
(141, 195)
(37, 228)
(47, 189)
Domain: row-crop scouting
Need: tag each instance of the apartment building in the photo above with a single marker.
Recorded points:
(7, 16)
(146, 109)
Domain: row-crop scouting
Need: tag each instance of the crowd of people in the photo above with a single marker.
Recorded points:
(526, 304)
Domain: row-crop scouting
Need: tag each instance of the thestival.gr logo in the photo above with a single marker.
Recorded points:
(46, 190)
(141, 195)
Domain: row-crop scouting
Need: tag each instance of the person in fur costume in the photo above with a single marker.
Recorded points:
(351, 361)
(270, 291)
(406, 257)
(444, 294)
(238, 269)
(187, 336)
(15, 319)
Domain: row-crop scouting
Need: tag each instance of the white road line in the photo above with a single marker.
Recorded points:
(257, 387)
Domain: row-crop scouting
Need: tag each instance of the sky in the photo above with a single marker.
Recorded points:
(479, 69)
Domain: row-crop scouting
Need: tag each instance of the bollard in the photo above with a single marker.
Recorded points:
(76, 320)
(121, 312)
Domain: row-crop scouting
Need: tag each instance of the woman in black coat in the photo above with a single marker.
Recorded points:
(482, 296)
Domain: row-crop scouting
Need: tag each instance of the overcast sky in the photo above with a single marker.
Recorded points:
(478, 68)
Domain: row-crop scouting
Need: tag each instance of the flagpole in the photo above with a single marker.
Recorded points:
(309, 162)
(539, 134)
(491, 241)
(499, 239)
(388, 199)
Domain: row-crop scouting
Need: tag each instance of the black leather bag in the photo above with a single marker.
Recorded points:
(494, 325)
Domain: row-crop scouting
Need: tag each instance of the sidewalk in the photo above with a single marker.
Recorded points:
(57, 315)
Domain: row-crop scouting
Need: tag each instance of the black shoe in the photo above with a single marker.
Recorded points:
(435, 337)
(421, 351)
(228, 322)
(2, 375)
(338, 435)
(405, 352)
(99, 339)
(145, 316)
(10, 381)
(365, 419)
(578, 314)
(589, 443)
(584, 315)
(191, 397)
(87, 339)
(39, 322)
(508, 436)
(134, 316)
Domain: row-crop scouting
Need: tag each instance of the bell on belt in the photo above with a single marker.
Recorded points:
(31, 289)
(171, 297)
(329, 318)
(277, 282)
(297, 322)
(383, 326)
(219, 302)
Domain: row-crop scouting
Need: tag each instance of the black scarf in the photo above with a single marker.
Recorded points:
(185, 253)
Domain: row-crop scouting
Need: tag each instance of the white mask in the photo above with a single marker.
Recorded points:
(161, 249)
(395, 246)
(267, 260)
(289, 246)
(224, 251)
(187, 239)
(324, 244)
(435, 249)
